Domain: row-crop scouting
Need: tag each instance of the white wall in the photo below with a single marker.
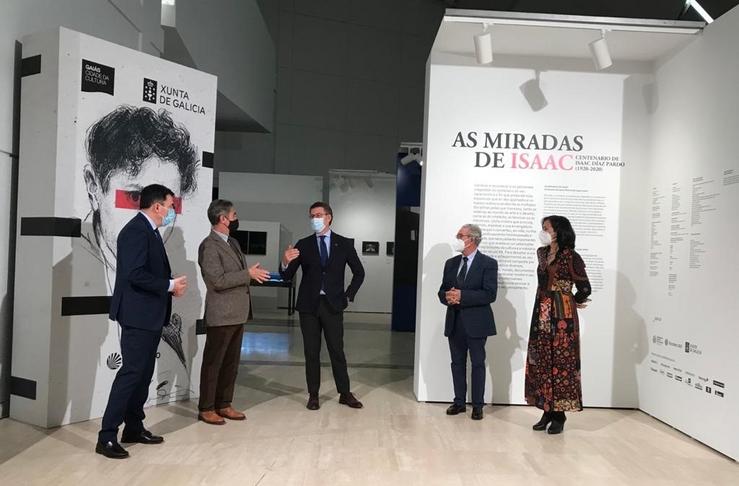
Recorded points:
(603, 108)
(694, 126)
(364, 209)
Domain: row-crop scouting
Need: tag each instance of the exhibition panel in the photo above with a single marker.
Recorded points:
(99, 122)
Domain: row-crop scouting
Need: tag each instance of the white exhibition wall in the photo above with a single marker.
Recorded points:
(690, 378)
(568, 161)
(364, 209)
(652, 192)
(76, 193)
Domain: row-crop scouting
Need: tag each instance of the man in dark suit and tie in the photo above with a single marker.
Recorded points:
(141, 304)
(322, 299)
(469, 286)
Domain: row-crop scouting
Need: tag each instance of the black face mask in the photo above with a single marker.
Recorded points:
(233, 225)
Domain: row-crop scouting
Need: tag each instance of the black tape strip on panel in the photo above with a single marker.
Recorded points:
(200, 327)
(21, 387)
(85, 306)
(51, 227)
(208, 159)
(30, 65)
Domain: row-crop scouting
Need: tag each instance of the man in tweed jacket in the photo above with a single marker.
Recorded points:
(227, 308)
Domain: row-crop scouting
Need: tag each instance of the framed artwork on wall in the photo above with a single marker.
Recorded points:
(370, 248)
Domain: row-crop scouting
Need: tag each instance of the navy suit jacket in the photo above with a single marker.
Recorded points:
(341, 254)
(479, 290)
(141, 297)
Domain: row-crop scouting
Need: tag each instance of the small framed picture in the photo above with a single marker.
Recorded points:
(390, 248)
(370, 248)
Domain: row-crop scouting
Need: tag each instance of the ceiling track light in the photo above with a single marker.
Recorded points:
(698, 8)
(600, 52)
(484, 45)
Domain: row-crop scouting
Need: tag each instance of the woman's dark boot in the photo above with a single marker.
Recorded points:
(558, 423)
(545, 419)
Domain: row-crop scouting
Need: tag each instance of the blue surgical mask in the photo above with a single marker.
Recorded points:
(317, 224)
(169, 218)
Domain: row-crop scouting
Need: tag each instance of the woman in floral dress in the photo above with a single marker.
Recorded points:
(553, 381)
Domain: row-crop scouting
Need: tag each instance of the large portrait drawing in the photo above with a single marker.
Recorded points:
(128, 149)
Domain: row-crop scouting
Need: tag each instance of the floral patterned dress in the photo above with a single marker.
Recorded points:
(553, 381)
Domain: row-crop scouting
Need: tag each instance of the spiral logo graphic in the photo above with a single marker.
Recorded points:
(114, 361)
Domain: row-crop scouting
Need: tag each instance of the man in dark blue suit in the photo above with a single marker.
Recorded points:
(141, 304)
(469, 286)
(322, 298)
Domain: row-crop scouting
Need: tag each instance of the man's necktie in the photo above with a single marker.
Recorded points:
(462, 273)
(164, 250)
(237, 250)
(324, 251)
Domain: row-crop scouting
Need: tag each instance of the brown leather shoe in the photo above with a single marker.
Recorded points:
(210, 417)
(231, 413)
(350, 400)
(313, 403)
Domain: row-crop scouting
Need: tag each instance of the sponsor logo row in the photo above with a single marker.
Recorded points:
(686, 346)
(697, 382)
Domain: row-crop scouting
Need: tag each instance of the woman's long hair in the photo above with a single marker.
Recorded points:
(563, 228)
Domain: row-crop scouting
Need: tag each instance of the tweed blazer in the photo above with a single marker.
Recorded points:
(226, 276)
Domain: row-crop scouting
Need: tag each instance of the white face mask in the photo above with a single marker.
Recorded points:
(545, 238)
(457, 245)
(317, 224)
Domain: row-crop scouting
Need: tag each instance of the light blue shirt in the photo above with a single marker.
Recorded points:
(156, 228)
(470, 257)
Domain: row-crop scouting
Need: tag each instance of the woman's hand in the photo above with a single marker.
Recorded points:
(583, 305)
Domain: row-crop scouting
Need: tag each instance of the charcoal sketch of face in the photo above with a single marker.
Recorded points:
(128, 149)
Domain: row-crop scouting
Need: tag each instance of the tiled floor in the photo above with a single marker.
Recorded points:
(393, 440)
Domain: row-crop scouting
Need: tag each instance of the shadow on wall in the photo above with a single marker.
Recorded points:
(630, 345)
(73, 372)
(433, 265)
(502, 348)
(629, 341)
(179, 343)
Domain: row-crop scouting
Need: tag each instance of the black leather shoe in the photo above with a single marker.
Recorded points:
(476, 413)
(143, 437)
(111, 450)
(455, 409)
(313, 403)
(542, 424)
(558, 423)
(350, 400)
